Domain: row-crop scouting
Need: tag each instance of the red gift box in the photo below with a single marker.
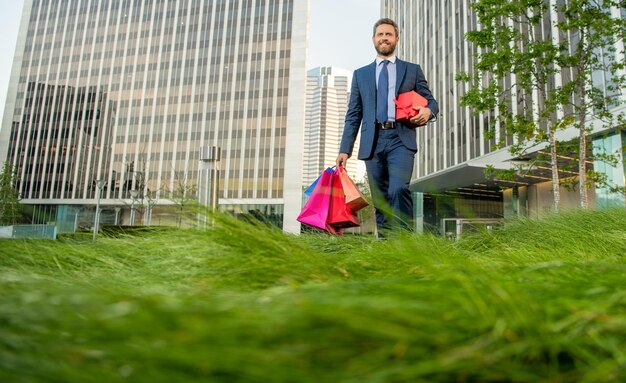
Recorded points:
(404, 106)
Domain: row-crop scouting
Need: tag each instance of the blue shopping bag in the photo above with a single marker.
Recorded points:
(309, 190)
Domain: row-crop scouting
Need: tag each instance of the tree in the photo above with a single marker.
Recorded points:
(598, 26)
(184, 195)
(518, 75)
(9, 196)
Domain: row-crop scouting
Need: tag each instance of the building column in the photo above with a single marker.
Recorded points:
(418, 211)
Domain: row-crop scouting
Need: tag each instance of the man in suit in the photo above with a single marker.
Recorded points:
(387, 147)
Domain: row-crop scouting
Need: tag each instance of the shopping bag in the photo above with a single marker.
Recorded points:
(309, 190)
(404, 106)
(354, 198)
(316, 209)
(340, 215)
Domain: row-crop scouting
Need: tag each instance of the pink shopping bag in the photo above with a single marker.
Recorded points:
(316, 209)
(309, 190)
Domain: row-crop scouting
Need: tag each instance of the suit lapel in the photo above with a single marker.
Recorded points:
(400, 73)
(371, 75)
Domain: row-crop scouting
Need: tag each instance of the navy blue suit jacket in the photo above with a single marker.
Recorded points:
(362, 107)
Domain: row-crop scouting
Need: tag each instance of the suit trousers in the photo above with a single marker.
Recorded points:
(389, 171)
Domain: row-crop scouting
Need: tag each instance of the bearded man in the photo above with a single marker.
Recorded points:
(387, 146)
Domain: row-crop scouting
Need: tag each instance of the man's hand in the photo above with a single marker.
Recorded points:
(342, 158)
(422, 117)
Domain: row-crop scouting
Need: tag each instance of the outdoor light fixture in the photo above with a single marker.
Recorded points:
(99, 185)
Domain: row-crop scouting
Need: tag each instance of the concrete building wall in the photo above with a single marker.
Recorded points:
(176, 76)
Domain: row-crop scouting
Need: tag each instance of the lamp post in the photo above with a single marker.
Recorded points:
(208, 179)
(133, 194)
(117, 215)
(96, 223)
(147, 218)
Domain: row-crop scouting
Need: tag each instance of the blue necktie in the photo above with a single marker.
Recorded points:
(382, 94)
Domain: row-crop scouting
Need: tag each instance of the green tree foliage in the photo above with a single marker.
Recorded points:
(535, 83)
(9, 196)
(597, 26)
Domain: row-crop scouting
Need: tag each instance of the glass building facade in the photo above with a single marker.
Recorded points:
(128, 91)
(454, 151)
(614, 146)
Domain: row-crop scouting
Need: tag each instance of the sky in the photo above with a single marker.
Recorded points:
(10, 15)
(339, 35)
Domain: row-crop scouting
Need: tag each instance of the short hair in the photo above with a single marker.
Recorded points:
(385, 20)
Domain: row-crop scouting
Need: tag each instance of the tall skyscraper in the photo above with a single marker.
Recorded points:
(328, 92)
(453, 152)
(128, 92)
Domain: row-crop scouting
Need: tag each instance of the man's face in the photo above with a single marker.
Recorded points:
(385, 40)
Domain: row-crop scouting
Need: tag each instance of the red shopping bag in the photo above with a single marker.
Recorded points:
(341, 215)
(317, 207)
(354, 197)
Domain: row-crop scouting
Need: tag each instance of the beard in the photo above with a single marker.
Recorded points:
(385, 50)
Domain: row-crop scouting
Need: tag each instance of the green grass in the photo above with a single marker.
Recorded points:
(536, 301)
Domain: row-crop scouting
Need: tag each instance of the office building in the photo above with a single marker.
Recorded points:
(328, 92)
(449, 181)
(128, 92)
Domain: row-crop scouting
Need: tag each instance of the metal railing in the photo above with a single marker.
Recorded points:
(453, 228)
(29, 231)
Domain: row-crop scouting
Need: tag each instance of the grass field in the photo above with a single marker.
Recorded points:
(535, 301)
